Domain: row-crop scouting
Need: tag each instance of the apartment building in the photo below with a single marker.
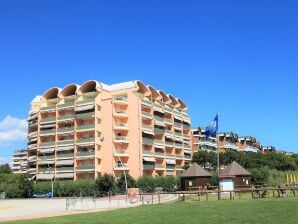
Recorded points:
(228, 141)
(19, 161)
(249, 144)
(200, 142)
(80, 132)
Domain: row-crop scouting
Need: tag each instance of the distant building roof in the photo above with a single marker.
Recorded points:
(196, 170)
(234, 169)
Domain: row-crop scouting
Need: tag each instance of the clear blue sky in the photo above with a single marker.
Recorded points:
(236, 57)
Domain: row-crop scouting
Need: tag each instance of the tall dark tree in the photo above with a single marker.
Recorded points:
(5, 169)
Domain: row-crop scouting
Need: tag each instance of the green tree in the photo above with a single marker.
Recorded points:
(105, 183)
(5, 169)
(121, 186)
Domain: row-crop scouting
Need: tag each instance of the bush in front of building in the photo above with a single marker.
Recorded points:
(148, 184)
(15, 185)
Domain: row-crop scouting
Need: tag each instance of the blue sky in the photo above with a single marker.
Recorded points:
(235, 57)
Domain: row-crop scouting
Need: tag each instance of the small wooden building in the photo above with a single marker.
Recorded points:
(234, 177)
(195, 177)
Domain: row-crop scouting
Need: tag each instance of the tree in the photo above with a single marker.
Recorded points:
(105, 183)
(5, 169)
(203, 157)
(121, 182)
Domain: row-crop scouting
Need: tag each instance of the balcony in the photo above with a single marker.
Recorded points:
(85, 168)
(48, 108)
(46, 170)
(159, 142)
(159, 131)
(69, 104)
(147, 115)
(187, 137)
(179, 167)
(186, 126)
(32, 134)
(85, 127)
(168, 121)
(65, 142)
(159, 154)
(32, 124)
(32, 170)
(66, 117)
(148, 167)
(122, 166)
(208, 143)
(65, 130)
(65, 156)
(32, 146)
(48, 120)
(158, 107)
(187, 157)
(32, 158)
(168, 109)
(170, 155)
(148, 141)
(85, 115)
(120, 126)
(121, 139)
(121, 100)
(169, 144)
(121, 114)
(177, 114)
(47, 144)
(159, 166)
(51, 157)
(121, 153)
(148, 153)
(170, 167)
(64, 169)
(159, 118)
(231, 146)
(47, 132)
(147, 102)
(179, 156)
(85, 154)
(86, 140)
(85, 101)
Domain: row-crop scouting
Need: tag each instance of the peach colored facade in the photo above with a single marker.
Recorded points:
(19, 161)
(80, 132)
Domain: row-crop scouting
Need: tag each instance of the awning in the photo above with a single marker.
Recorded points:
(83, 108)
(187, 151)
(64, 175)
(44, 176)
(159, 123)
(47, 150)
(46, 162)
(48, 126)
(171, 161)
(149, 159)
(64, 162)
(148, 132)
(65, 148)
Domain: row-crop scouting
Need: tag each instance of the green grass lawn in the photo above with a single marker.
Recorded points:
(276, 210)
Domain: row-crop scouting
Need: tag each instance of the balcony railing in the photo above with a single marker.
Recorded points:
(49, 143)
(188, 157)
(147, 102)
(121, 166)
(159, 154)
(48, 132)
(121, 152)
(169, 121)
(47, 108)
(179, 156)
(85, 115)
(159, 142)
(65, 142)
(85, 167)
(48, 119)
(121, 138)
(65, 155)
(158, 118)
(120, 113)
(64, 169)
(159, 166)
(63, 130)
(168, 109)
(148, 141)
(85, 154)
(46, 157)
(148, 153)
(147, 114)
(68, 104)
(120, 126)
(148, 167)
(169, 144)
(66, 117)
(159, 131)
(178, 167)
(85, 101)
(85, 140)
(85, 127)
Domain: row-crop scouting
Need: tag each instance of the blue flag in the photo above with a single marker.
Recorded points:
(213, 128)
